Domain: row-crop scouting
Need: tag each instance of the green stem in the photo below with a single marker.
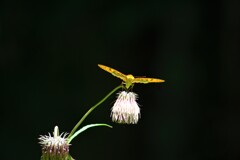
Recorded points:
(91, 109)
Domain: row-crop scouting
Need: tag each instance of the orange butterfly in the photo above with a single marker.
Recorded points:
(129, 79)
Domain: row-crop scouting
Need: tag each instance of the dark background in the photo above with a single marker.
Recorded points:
(49, 73)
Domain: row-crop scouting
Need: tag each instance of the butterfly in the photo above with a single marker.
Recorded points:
(129, 79)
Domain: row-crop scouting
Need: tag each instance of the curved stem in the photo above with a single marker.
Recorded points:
(91, 109)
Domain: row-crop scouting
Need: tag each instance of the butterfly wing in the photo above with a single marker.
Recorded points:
(147, 80)
(113, 72)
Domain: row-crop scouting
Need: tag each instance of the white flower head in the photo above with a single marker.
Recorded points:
(54, 147)
(126, 109)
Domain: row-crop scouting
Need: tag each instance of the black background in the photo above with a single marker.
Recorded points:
(49, 73)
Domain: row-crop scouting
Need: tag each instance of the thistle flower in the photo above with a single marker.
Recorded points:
(55, 147)
(126, 109)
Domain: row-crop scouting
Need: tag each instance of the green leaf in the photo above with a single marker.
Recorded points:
(85, 128)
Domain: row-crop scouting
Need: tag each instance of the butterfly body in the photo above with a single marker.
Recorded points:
(129, 79)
